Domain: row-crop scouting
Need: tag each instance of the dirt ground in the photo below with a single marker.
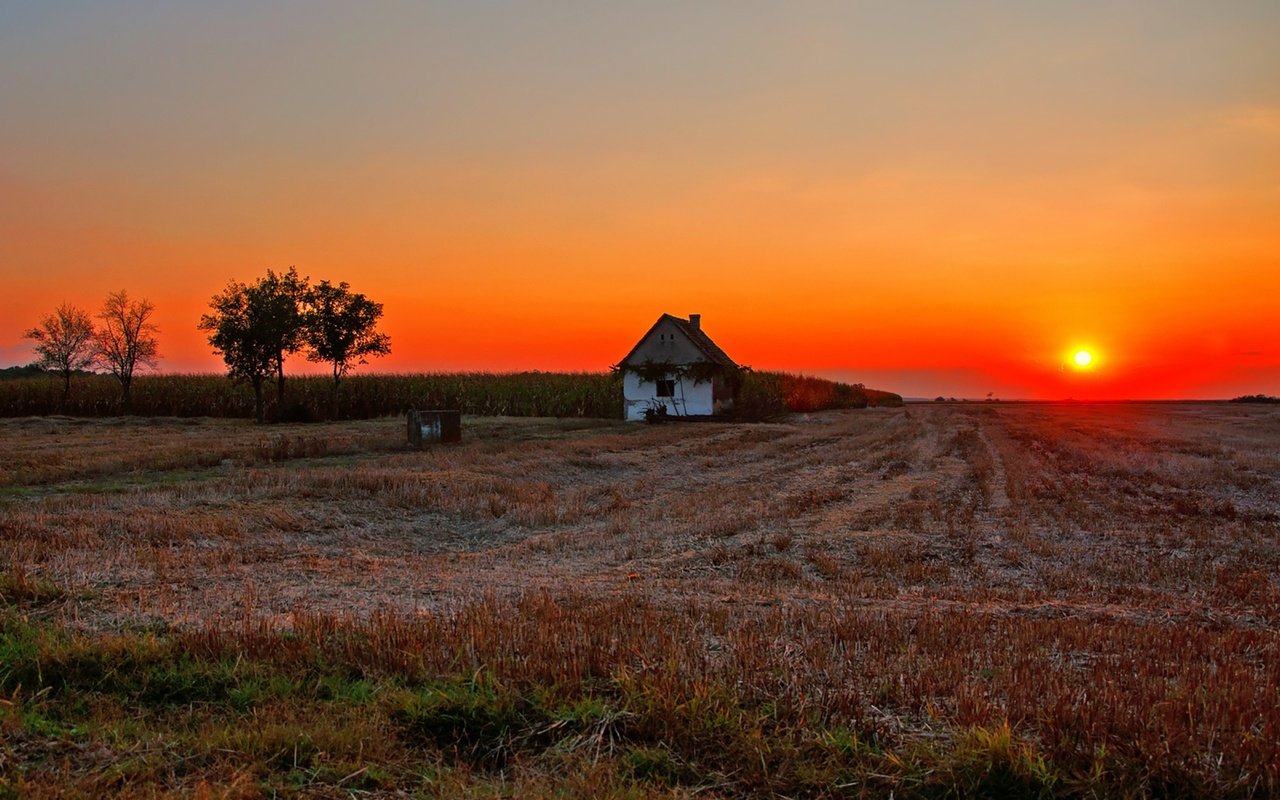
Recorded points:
(1122, 511)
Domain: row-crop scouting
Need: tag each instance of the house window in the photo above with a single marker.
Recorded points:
(666, 388)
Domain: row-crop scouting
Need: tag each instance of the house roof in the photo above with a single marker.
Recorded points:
(696, 335)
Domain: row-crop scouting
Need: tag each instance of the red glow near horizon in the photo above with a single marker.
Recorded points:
(459, 339)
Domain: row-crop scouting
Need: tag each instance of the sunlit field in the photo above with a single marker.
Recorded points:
(936, 600)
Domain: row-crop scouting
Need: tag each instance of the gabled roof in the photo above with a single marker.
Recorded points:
(696, 335)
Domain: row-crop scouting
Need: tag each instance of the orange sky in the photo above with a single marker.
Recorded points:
(932, 201)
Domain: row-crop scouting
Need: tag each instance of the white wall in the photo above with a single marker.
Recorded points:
(691, 399)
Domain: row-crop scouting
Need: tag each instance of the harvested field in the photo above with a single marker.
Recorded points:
(1061, 599)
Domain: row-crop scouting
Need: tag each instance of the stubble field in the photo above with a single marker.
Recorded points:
(1054, 600)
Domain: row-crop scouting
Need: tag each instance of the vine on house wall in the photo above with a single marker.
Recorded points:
(651, 371)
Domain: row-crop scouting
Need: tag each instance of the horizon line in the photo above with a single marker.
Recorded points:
(914, 398)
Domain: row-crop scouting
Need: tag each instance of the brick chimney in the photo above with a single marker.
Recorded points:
(696, 321)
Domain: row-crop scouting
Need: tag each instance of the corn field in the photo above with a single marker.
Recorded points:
(307, 398)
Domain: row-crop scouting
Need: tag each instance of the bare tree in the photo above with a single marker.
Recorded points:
(65, 344)
(127, 340)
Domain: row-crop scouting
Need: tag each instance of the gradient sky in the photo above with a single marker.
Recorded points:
(931, 198)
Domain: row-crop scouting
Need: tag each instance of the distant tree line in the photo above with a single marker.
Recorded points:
(29, 371)
(123, 340)
(256, 326)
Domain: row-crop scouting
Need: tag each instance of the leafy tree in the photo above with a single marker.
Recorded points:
(127, 340)
(255, 327)
(65, 344)
(341, 329)
(239, 330)
(282, 297)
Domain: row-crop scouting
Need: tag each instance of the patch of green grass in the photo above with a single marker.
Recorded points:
(991, 762)
(143, 668)
(137, 713)
(36, 721)
(477, 717)
(657, 764)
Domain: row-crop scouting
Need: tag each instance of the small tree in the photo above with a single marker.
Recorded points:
(281, 298)
(65, 344)
(240, 330)
(127, 340)
(341, 329)
(255, 327)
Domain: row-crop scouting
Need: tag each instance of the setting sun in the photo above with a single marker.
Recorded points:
(1083, 358)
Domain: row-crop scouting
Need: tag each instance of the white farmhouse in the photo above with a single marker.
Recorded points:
(676, 369)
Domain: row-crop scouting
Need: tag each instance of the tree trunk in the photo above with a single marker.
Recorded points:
(66, 389)
(126, 397)
(259, 409)
(333, 408)
(280, 382)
